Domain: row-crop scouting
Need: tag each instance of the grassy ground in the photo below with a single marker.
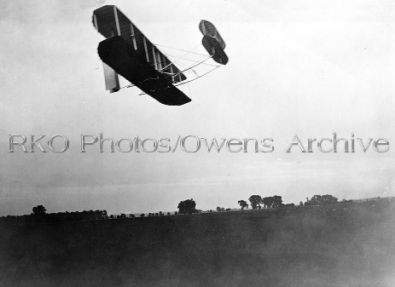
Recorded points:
(349, 244)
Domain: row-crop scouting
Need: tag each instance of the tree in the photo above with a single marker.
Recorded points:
(268, 201)
(328, 199)
(315, 200)
(321, 200)
(187, 206)
(243, 204)
(255, 201)
(277, 201)
(39, 210)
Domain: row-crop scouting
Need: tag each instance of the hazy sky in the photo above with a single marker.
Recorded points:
(306, 67)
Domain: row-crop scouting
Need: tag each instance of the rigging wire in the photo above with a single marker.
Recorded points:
(197, 63)
(193, 66)
(182, 83)
(190, 60)
(212, 70)
(181, 57)
(186, 82)
(182, 50)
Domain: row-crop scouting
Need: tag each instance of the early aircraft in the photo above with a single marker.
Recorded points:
(127, 51)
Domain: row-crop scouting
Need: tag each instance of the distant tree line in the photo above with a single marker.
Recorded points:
(39, 214)
(188, 206)
(257, 202)
(321, 200)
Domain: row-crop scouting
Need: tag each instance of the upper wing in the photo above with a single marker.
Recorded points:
(110, 21)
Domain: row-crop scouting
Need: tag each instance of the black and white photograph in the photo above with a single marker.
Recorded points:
(203, 143)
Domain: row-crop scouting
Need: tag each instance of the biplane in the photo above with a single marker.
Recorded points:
(126, 51)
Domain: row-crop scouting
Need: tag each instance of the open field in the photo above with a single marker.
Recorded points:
(345, 244)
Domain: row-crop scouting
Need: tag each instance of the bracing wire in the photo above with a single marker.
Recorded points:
(181, 57)
(182, 83)
(197, 63)
(189, 60)
(193, 66)
(181, 50)
(202, 75)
